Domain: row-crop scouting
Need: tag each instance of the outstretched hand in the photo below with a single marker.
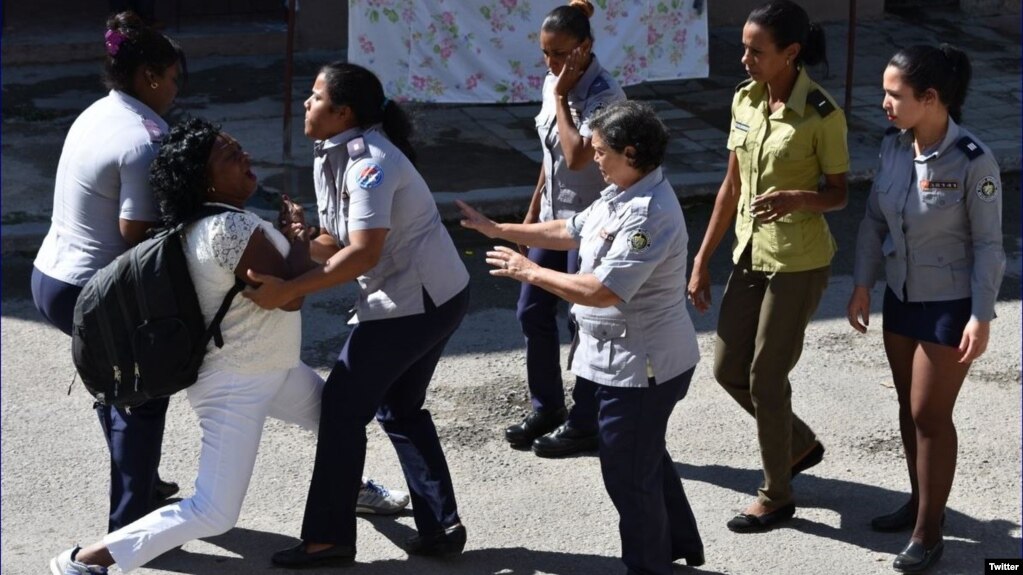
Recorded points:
(474, 220)
(509, 263)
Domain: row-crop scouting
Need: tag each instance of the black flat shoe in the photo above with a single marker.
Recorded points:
(447, 543)
(534, 425)
(815, 456)
(899, 520)
(902, 518)
(747, 523)
(916, 558)
(563, 441)
(297, 558)
(165, 489)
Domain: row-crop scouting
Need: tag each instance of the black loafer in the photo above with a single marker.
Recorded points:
(447, 543)
(534, 425)
(809, 460)
(916, 558)
(297, 558)
(902, 518)
(747, 523)
(899, 520)
(565, 440)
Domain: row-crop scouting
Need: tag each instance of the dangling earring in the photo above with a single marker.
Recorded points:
(154, 85)
(211, 190)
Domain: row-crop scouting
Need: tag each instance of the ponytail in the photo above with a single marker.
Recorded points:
(398, 128)
(957, 82)
(814, 51)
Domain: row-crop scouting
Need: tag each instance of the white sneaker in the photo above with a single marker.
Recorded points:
(378, 500)
(65, 564)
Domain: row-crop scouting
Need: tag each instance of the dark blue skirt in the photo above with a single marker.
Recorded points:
(939, 322)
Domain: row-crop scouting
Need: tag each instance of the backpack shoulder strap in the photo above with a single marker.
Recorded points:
(213, 330)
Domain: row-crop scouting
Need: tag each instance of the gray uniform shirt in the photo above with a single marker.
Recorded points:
(567, 191)
(364, 182)
(933, 222)
(102, 177)
(635, 242)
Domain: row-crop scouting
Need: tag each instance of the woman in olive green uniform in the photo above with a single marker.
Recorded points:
(785, 134)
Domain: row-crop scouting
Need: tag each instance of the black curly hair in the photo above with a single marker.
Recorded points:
(178, 175)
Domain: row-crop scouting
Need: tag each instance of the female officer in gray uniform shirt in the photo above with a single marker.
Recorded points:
(385, 232)
(635, 342)
(575, 87)
(933, 227)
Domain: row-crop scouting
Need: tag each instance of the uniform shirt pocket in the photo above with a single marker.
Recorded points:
(738, 136)
(607, 352)
(940, 267)
(941, 199)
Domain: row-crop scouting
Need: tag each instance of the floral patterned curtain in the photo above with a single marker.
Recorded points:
(484, 51)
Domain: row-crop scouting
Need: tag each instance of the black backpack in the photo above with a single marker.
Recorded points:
(138, 332)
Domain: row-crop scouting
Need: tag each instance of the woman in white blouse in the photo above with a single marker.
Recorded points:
(256, 374)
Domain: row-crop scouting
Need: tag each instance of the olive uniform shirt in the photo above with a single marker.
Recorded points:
(788, 149)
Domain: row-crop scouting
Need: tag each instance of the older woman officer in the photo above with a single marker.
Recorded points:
(787, 135)
(635, 340)
(575, 87)
(933, 229)
(384, 231)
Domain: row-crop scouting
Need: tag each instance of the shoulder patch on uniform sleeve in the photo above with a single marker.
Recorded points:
(820, 103)
(891, 130)
(639, 240)
(356, 147)
(597, 86)
(743, 84)
(370, 176)
(987, 189)
(969, 147)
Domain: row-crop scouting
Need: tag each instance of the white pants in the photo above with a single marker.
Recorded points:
(232, 408)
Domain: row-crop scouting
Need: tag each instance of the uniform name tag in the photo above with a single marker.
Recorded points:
(741, 126)
(936, 185)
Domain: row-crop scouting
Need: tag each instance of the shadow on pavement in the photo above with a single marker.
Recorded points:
(967, 540)
(255, 547)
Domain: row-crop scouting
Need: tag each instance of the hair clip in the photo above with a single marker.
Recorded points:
(114, 39)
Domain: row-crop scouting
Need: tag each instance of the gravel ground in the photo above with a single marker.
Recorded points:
(527, 515)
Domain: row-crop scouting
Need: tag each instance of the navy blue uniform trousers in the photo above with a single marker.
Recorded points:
(134, 438)
(538, 313)
(656, 524)
(384, 369)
